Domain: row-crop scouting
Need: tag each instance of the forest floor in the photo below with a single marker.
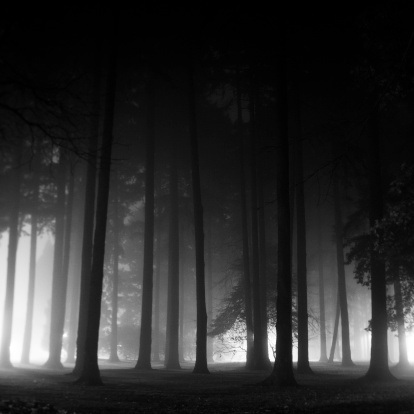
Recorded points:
(228, 389)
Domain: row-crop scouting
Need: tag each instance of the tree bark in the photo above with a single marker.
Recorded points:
(59, 284)
(378, 368)
(89, 371)
(28, 329)
(403, 362)
(113, 357)
(245, 237)
(201, 335)
(303, 366)
(172, 360)
(282, 373)
(144, 358)
(156, 328)
(11, 260)
(322, 321)
(346, 345)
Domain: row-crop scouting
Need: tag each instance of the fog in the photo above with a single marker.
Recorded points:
(205, 185)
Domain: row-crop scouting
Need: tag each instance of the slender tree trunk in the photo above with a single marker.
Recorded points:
(303, 366)
(335, 332)
(282, 374)
(263, 266)
(59, 283)
(89, 216)
(11, 260)
(172, 360)
(259, 358)
(209, 285)
(201, 335)
(182, 282)
(25, 359)
(402, 340)
(89, 371)
(113, 357)
(245, 237)
(322, 321)
(144, 358)
(378, 368)
(346, 346)
(156, 328)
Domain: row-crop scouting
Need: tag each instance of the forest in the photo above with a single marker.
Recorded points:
(207, 208)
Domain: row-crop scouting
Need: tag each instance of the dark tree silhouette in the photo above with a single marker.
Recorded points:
(11, 259)
(172, 360)
(245, 234)
(89, 371)
(201, 335)
(144, 358)
(342, 296)
(378, 367)
(282, 373)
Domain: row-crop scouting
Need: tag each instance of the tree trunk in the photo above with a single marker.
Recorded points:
(144, 358)
(303, 366)
(346, 346)
(89, 216)
(403, 362)
(11, 260)
(113, 357)
(89, 371)
(59, 284)
(263, 266)
(282, 374)
(25, 359)
(322, 321)
(156, 328)
(209, 285)
(335, 332)
(201, 335)
(245, 237)
(172, 360)
(378, 368)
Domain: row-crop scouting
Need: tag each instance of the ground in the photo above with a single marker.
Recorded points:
(228, 389)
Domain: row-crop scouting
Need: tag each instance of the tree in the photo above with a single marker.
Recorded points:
(144, 358)
(245, 235)
(89, 371)
(28, 328)
(342, 297)
(282, 373)
(303, 336)
(201, 335)
(378, 368)
(172, 360)
(11, 259)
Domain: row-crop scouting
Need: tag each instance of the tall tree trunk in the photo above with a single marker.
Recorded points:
(403, 362)
(89, 214)
(113, 357)
(156, 328)
(144, 358)
(182, 295)
(201, 335)
(11, 260)
(282, 374)
(209, 285)
(89, 371)
(172, 360)
(321, 283)
(378, 368)
(259, 359)
(59, 283)
(303, 366)
(263, 266)
(245, 237)
(28, 329)
(346, 345)
(335, 332)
